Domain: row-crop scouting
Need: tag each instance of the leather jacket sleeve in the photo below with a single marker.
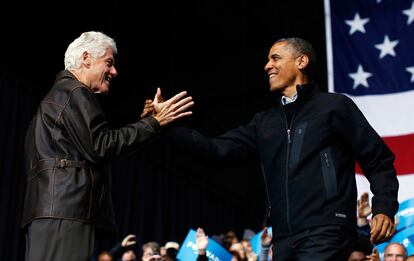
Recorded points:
(86, 124)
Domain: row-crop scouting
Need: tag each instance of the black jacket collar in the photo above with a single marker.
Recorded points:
(304, 92)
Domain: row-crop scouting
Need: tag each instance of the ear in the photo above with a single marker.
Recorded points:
(86, 59)
(302, 61)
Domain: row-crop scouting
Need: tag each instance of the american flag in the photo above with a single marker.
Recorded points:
(370, 50)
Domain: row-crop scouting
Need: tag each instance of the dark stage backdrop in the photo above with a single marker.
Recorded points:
(216, 50)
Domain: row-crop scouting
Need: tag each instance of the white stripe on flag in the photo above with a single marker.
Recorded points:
(404, 193)
(390, 114)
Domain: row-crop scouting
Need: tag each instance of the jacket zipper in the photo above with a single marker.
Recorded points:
(269, 204)
(327, 160)
(289, 139)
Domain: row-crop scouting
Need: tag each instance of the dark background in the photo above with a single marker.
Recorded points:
(216, 50)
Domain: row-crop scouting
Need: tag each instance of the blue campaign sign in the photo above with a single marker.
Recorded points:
(189, 251)
(405, 237)
(256, 241)
(405, 214)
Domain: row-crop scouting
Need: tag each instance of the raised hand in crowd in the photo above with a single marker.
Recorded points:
(364, 209)
(266, 238)
(201, 241)
(374, 256)
(129, 240)
(266, 242)
(248, 249)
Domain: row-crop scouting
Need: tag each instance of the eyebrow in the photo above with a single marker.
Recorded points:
(273, 56)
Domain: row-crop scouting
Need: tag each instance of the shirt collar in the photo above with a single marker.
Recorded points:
(286, 100)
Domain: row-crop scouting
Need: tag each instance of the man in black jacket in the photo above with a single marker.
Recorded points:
(67, 146)
(308, 143)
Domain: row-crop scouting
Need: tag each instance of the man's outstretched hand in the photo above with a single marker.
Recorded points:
(170, 110)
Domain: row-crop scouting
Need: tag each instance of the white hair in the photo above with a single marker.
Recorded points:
(94, 43)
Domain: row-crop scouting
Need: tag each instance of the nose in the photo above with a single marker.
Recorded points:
(268, 66)
(114, 72)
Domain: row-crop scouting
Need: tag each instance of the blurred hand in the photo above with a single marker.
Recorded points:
(364, 209)
(128, 240)
(201, 241)
(266, 239)
(170, 110)
(374, 256)
(382, 228)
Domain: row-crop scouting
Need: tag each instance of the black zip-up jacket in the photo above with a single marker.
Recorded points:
(309, 165)
(67, 146)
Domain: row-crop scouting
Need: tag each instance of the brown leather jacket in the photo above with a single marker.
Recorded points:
(67, 146)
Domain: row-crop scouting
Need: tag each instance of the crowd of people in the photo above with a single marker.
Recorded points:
(241, 249)
(153, 251)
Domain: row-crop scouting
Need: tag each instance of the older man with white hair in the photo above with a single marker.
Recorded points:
(68, 144)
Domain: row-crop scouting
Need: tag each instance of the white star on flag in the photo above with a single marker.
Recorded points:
(357, 24)
(360, 77)
(411, 70)
(410, 13)
(387, 47)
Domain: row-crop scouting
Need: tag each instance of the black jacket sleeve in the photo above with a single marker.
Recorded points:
(373, 155)
(235, 145)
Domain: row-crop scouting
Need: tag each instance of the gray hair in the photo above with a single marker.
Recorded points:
(94, 43)
(301, 46)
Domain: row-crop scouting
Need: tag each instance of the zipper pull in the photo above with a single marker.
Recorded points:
(288, 135)
(326, 159)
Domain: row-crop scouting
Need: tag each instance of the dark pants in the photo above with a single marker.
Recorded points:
(57, 239)
(319, 243)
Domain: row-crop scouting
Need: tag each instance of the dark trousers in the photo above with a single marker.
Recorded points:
(319, 243)
(57, 239)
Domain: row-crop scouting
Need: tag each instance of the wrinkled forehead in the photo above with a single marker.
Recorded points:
(394, 249)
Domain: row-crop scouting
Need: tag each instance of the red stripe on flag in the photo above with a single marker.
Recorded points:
(403, 149)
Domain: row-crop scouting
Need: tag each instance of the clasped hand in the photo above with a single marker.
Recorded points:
(170, 110)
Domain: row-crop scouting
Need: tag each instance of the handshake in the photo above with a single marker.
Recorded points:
(170, 110)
